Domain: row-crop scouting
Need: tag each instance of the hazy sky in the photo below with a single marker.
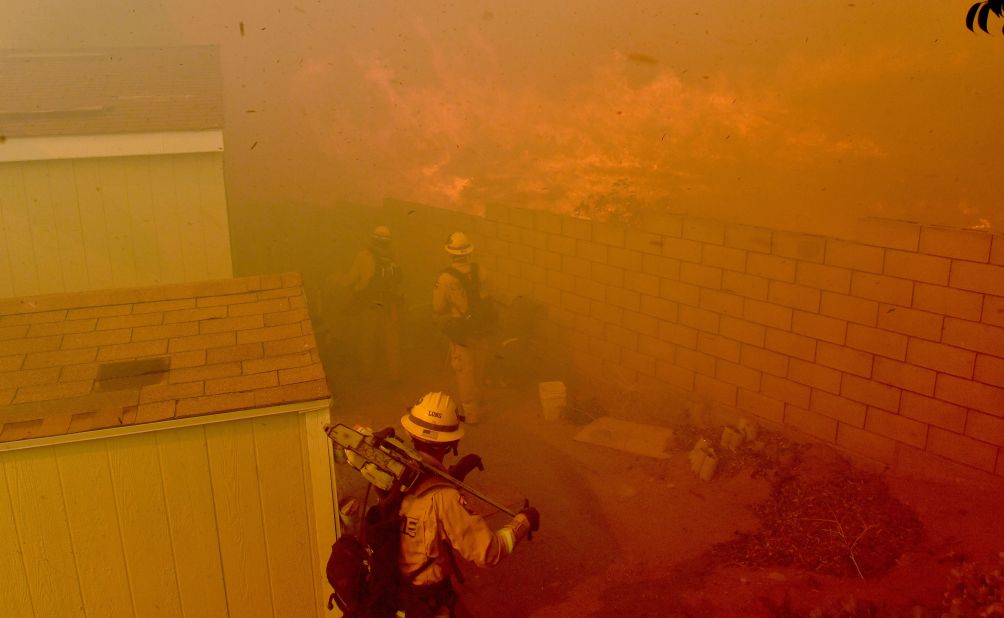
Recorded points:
(786, 112)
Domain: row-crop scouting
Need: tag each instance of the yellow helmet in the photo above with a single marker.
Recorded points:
(380, 232)
(459, 244)
(434, 418)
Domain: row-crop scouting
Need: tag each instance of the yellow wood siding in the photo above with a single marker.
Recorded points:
(68, 226)
(199, 521)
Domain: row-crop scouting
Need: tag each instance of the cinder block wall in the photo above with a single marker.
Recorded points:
(889, 346)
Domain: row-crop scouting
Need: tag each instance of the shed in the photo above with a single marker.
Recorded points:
(111, 169)
(162, 453)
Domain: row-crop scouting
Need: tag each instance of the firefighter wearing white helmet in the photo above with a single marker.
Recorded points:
(464, 308)
(435, 519)
(375, 305)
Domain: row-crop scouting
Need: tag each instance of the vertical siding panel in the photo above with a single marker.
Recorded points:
(189, 496)
(238, 515)
(118, 221)
(284, 511)
(94, 528)
(17, 227)
(43, 227)
(165, 207)
(46, 547)
(139, 496)
(214, 214)
(14, 596)
(66, 212)
(6, 196)
(322, 495)
(193, 237)
(92, 223)
(143, 226)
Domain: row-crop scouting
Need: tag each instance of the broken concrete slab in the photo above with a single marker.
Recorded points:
(637, 438)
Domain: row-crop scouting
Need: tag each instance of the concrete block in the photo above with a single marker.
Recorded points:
(940, 357)
(741, 330)
(933, 412)
(803, 247)
(698, 362)
(989, 370)
(767, 314)
(903, 375)
(962, 449)
(814, 375)
(973, 395)
(761, 406)
(608, 275)
(659, 308)
(883, 289)
(723, 257)
(638, 438)
(790, 344)
(701, 276)
(685, 293)
(993, 311)
(748, 237)
(844, 358)
(819, 327)
(849, 308)
(682, 249)
(678, 334)
(721, 302)
(985, 278)
(889, 233)
(823, 277)
(917, 267)
(763, 360)
(877, 341)
(731, 439)
(855, 256)
(642, 283)
(750, 286)
(910, 322)
(974, 336)
(660, 266)
(700, 319)
(897, 427)
(997, 257)
(719, 347)
(810, 423)
(985, 428)
(581, 229)
(771, 267)
(627, 259)
(704, 230)
(644, 242)
(785, 390)
(610, 234)
(973, 245)
(867, 444)
(839, 408)
(592, 251)
(738, 375)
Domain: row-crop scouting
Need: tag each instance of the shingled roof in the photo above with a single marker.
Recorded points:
(100, 91)
(99, 359)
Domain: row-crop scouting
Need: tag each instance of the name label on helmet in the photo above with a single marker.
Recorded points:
(435, 414)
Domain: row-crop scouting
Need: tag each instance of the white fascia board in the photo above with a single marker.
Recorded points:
(110, 145)
(302, 407)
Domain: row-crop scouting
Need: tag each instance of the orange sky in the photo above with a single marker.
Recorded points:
(766, 112)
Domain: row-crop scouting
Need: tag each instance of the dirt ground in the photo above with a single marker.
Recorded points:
(627, 535)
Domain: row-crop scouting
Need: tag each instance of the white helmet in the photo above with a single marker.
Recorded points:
(380, 232)
(434, 418)
(459, 244)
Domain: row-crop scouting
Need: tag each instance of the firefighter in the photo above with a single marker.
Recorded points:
(376, 301)
(435, 519)
(466, 312)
